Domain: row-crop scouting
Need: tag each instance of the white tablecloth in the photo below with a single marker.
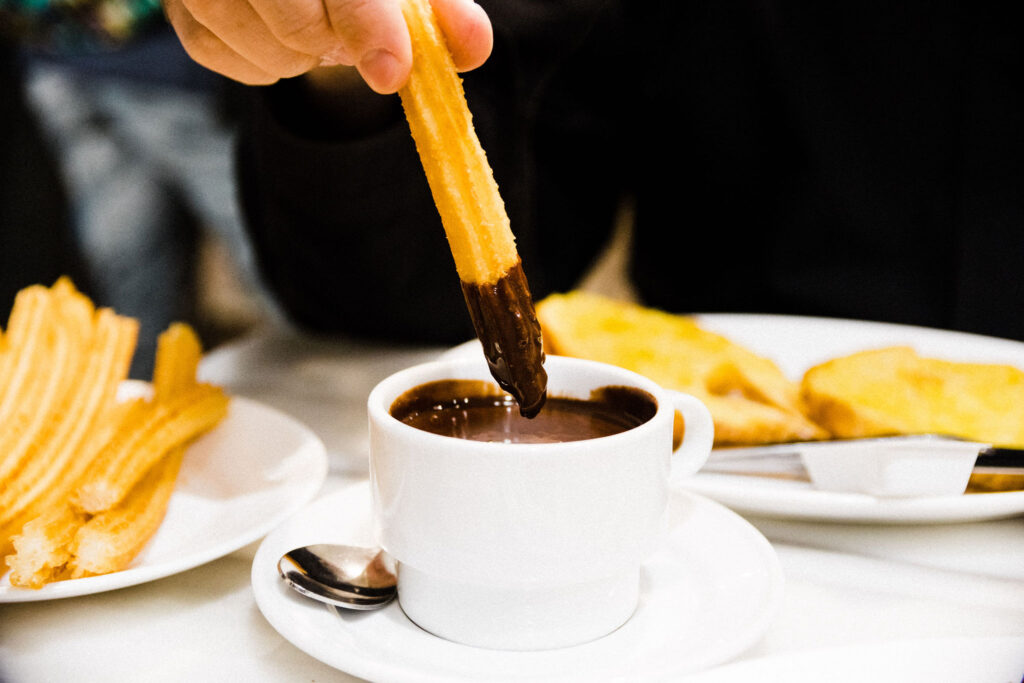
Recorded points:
(862, 602)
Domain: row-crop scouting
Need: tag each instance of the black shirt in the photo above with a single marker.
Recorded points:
(847, 159)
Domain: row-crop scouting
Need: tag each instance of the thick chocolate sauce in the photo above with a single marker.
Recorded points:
(507, 326)
(477, 410)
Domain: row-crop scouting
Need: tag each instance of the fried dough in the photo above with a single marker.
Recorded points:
(472, 213)
(895, 390)
(750, 399)
(85, 479)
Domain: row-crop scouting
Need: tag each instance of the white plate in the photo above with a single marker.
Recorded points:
(707, 596)
(797, 343)
(799, 500)
(236, 484)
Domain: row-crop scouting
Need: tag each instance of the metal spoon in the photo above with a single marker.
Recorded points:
(341, 575)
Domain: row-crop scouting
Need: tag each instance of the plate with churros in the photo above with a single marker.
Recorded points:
(107, 482)
(235, 485)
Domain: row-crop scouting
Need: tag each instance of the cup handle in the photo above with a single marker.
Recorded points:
(698, 438)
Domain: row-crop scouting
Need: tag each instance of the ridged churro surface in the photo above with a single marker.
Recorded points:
(460, 177)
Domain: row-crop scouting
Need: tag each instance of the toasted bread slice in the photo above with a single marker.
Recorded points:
(894, 390)
(750, 399)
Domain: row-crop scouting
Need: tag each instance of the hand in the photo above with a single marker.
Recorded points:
(260, 41)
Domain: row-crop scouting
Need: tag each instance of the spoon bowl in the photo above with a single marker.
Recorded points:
(344, 576)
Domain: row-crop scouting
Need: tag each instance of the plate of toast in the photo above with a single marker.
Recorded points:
(772, 380)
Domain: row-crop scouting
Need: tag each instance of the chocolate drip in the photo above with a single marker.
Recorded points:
(506, 324)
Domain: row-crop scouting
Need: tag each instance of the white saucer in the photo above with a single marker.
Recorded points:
(706, 597)
(236, 483)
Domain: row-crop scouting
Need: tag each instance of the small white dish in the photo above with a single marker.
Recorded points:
(707, 596)
(236, 484)
(885, 467)
(897, 467)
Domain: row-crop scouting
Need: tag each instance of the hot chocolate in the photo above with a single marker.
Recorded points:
(480, 411)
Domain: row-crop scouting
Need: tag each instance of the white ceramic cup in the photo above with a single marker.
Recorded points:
(526, 546)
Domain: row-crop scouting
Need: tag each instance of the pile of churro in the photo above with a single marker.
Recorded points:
(86, 478)
(472, 213)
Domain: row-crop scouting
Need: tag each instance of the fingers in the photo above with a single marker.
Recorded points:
(467, 30)
(207, 49)
(302, 25)
(239, 27)
(375, 39)
(259, 41)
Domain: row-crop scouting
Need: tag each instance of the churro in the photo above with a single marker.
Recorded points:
(750, 399)
(472, 213)
(177, 360)
(112, 539)
(65, 436)
(35, 343)
(165, 426)
(58, 458)
(42, 548)
(37, 481)
(106, 425)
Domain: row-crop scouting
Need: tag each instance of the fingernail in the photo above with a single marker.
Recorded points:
(381, 70)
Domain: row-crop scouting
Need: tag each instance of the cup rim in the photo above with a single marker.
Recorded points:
(377, 410)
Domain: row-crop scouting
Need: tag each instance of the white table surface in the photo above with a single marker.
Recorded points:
(879, 603)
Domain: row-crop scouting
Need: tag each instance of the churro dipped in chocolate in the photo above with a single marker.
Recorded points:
(473, 214)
